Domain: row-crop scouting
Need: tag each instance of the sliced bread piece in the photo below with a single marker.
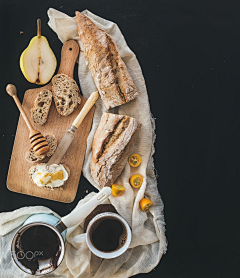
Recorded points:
(31, 156)
(52, 142)
(112, 144)
(40, 109)
(65, 93)
(40, 175)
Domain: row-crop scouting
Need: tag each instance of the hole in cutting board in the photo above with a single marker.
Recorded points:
(70, 49)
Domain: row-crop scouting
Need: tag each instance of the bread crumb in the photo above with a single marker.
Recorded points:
(61, 7)
(21, 32)
(86, 191)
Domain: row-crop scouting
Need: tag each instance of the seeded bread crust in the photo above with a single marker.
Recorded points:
(33, 169)
(112, 145)
(110, 74)
(40, 109)
(31, 156)
(65, 93)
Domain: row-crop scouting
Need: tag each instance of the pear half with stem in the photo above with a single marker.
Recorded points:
(38, 62)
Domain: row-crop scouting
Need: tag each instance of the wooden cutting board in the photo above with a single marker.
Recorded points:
(18, 179)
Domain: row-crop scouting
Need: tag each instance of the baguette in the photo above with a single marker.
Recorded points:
(40, 109)
(31, 156)
(65, 93)
(112, 145)
(110, 74)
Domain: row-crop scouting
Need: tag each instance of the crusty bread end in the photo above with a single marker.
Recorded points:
(112, 144)
(109, 71)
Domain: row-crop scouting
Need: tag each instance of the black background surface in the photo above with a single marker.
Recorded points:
(189, 52)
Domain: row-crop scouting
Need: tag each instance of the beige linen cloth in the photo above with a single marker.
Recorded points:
(148, 228)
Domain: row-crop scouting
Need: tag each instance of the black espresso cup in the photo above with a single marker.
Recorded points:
(108, 235)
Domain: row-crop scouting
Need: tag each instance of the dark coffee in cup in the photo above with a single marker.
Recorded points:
(108, 234)
(35, 244)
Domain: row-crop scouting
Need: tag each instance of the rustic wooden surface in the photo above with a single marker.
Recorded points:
(18, 179)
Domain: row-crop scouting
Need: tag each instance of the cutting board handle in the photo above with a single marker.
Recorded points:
(69, 54)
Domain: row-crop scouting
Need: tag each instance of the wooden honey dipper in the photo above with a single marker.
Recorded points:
(37, 140)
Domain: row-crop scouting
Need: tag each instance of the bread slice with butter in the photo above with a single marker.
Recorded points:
(51, 176)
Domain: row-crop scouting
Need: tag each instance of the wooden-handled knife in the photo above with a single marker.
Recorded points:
(68, 137)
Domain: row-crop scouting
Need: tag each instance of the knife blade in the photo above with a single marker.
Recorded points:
(69, 136)
(62, 147)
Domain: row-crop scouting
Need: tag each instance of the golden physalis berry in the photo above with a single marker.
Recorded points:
(134, 160)
(117, 189)
(136, 181)
(145, 204)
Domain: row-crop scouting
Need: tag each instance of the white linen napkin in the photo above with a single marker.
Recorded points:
(148, 228)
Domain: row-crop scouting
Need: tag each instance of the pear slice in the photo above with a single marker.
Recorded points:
(38, 62)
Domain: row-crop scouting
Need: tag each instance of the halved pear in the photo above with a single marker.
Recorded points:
(38, 62)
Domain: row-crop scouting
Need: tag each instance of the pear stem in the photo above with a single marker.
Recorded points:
(39, 28)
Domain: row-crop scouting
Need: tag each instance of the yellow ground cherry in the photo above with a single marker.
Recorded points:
(117, 189)
(145, 204)
(136, 181)
(134, 160)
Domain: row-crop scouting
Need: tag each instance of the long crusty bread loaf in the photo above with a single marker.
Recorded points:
(31, 156)
(112, 145)
(40, 109)
(110, 73)
(65, 93)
